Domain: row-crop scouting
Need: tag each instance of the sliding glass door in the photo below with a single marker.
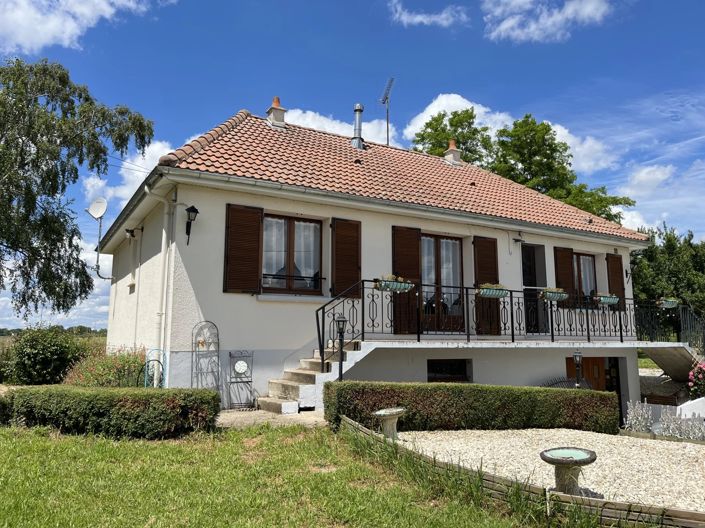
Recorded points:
(442, 279)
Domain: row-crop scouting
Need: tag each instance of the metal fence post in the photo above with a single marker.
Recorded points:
(511, 311)
(550, 310)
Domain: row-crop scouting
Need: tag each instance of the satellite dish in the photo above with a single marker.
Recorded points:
(97, 208)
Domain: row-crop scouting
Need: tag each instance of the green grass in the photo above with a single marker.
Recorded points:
(255, 477)
(645, 361)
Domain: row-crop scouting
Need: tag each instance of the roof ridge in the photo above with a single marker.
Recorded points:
(202, 141)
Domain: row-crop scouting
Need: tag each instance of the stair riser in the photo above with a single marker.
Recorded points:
(289, 407)
(301, 377)
(285, 392)
(330, 356)
(311, 364)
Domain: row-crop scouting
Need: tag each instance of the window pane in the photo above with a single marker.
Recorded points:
(587, 269)
(274, 254)
(428, 271)
(307, 255)
(450, 274)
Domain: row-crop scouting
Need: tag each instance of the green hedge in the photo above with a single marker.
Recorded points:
(116, 370)
(434, 406)
(116, 412)
(4, 410)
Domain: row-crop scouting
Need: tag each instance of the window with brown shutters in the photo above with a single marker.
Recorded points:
(565, 275)
(346, 256)
(243, 249)
(406, 263)
(615, 277)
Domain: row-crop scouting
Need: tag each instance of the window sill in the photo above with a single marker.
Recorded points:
(292, 297)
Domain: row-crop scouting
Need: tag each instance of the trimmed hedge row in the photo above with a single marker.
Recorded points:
(116, 412)
(4, 410)
(434, 406)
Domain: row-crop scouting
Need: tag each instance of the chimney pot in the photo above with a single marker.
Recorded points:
(452, 155)
(275, 114)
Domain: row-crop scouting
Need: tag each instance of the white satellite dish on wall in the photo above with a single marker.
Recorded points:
(97, 208)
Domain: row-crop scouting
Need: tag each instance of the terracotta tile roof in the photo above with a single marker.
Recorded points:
(248, 146)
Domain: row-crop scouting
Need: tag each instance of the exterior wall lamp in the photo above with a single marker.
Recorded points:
(341, 323)
(578, 360)
(191, 213)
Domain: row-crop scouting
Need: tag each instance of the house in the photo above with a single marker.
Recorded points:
(241, 250)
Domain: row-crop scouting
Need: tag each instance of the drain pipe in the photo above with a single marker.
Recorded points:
(161, 319)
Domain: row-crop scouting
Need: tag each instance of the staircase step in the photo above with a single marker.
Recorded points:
(301, 375)
(312, 364)
(278, 405)
(285, 389)
(331, 355)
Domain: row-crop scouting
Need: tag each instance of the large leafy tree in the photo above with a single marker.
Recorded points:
(672, 265)
(50, 128)
(473, 142)
(528, 152)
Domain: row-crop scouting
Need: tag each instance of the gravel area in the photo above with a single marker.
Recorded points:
(653, 472)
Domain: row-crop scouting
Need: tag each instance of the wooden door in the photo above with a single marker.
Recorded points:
(593, 371)
(487, 316)
(615, 278)
(406, 263)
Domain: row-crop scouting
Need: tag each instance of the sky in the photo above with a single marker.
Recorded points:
(621, 81)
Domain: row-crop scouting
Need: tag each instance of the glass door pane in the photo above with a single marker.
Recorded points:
(428, 273)
(451, 275)
(307, 255)
(274, 255)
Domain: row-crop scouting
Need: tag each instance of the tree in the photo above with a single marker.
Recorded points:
(50, 128)
(671, 266)
(473, 142)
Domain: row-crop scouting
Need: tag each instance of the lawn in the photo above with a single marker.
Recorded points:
(645, 361)
(260, 476)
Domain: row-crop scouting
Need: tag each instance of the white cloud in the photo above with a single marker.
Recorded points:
(133, 170)
(28, 26)
(374, 131)
(540, 20)
(633, 219)
(454, 102)
(589, 154)
(645, 181)
(450, 15)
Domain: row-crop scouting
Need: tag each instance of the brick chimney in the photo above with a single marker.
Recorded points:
(275, 114)
(452, 155)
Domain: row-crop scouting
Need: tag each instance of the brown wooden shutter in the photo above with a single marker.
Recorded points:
(615, 277)
(243, 249)
(406, 263)
(346, 255)
(486, 271)
(565, 276)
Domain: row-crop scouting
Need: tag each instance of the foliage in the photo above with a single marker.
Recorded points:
(43, 355)
(473, 142)
(4, 409)
(639, 417)
(259, 477)
(676, 427)
(672, 265)
(696, 381)
(50, 128)
(528, 152)
(447, 406)
(117, 412)
(103, 370)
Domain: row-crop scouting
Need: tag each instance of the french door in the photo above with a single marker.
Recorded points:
(442, 302)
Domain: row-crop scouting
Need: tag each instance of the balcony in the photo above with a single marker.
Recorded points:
(431, 312)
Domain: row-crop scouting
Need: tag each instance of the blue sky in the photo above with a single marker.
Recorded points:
(621, 80)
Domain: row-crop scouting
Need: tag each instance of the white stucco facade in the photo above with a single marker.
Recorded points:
(157, 298)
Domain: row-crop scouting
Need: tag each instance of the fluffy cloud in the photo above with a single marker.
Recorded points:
(374, 131)
(28, 26)
(644, 182)
(540, 20)
(589, 154)
(133, 170)
(450, 15)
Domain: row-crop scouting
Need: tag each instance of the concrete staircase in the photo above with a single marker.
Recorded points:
(302, 387)
(676, 360)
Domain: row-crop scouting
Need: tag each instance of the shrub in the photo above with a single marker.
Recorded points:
(696, 381)
(117, 412)
(43, 356)
(116, 370)
(4, 409)
(432, 406)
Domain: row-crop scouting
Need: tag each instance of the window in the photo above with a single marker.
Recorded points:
(291, 256)
(449, 370)
(441, 274)
(584, 275)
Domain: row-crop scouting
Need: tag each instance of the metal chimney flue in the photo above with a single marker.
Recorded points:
(357, 140)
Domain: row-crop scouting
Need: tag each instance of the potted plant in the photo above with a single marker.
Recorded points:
(392, 283)
(554, 294)
(668, 302)
(493, 291)
(606, 298)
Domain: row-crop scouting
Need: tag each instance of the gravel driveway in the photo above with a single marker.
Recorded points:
(653, 472)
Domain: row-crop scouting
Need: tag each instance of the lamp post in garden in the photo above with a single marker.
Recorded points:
(341, 322)
(578, 360)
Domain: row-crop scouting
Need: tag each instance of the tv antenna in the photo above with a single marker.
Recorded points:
(385, 101)
(97, 211)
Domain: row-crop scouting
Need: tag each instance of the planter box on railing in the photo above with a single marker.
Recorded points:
(493, 293)
(393, 286)
(608, 300)
(555, 296)
(667, 303)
